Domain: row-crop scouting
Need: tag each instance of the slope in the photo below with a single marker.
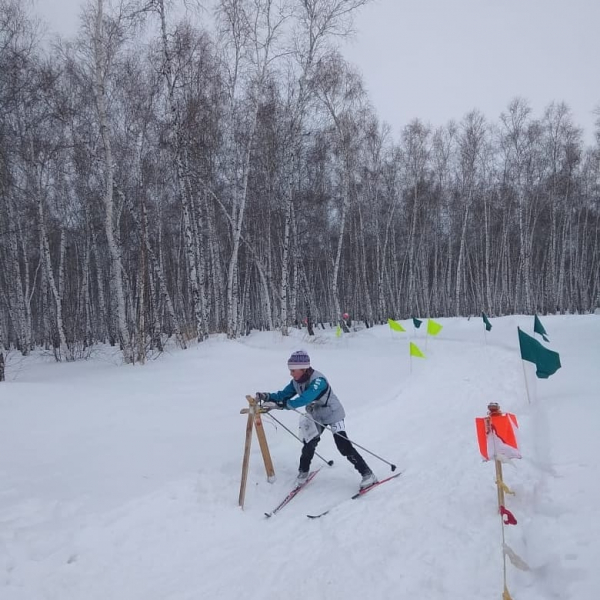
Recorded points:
(122, 482)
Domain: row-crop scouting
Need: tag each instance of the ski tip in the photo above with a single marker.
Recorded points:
(268, 515)
(317, 516)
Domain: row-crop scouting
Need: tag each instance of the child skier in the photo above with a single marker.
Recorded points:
(311, 389)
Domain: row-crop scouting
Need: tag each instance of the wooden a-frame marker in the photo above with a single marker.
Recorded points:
(254, 421)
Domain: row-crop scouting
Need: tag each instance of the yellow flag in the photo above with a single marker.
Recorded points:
(433, 328)
(395, 325)
(414, 351)
(338, 331)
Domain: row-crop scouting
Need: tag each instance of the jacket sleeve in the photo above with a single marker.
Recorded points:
(317, 389)
(285, 394)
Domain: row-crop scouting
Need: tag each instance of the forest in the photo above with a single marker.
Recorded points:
(170, 179)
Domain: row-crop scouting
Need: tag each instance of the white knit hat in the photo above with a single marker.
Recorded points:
(299, 360)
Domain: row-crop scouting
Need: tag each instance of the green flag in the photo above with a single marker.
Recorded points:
(547, 362)
(338, 331)
(416, 323)
(488, 325)
(414, 351)
(433, 328)
(395, 326)
(539, 328)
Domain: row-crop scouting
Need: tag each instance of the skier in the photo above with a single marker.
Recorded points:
(311, 389)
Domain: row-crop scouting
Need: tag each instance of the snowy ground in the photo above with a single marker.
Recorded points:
(122, 482)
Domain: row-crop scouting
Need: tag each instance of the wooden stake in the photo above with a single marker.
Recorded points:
(254, 420)
(262, 440)
(499, 484)
(245, 411)
(246, 461)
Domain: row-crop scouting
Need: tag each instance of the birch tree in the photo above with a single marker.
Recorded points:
(340, 91)
(516, 146)
(416, 152)
(106, 39)
(470, 147)
(194, 254)
(252, 29)
(317, 22)
(18, 89)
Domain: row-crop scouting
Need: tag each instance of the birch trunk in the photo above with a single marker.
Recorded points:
(487, 258)
(88, 336)
(191, 251)
(524, 286)
(364, 272)
(239, 213)
(295, 268)
(216, 284)
(252, 28)
(287, 229)
(158, 272)
(460, 275)
(103, 329)
(116, 268)
(17, 300)
(64, 350)
(338, 253)
(411, 248)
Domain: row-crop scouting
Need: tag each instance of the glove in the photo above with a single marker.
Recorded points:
(261, 397)
(279, 404)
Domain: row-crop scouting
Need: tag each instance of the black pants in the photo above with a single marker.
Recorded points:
(345, 448)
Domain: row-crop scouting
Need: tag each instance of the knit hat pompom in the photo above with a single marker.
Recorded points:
(299, 360)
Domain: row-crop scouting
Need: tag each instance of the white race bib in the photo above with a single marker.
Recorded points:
(337, 427)
(308, 429)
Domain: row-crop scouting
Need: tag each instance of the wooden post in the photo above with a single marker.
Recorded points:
(262, 440)
(494, 409)
(254, 420)
(246, 461)
(499, 484)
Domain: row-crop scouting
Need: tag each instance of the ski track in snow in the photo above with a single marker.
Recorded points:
(122, 482)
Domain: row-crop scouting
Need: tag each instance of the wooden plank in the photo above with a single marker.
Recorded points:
(499, 484)
(262, 440)
(246, 461)
(264, 448)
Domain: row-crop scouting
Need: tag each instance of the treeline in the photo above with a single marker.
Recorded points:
(158, 180)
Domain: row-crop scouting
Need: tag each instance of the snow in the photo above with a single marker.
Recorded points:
(122, 482)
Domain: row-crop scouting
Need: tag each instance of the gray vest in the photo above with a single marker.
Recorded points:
(327, 409)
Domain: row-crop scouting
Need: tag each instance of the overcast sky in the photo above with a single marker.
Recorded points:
(438, 59)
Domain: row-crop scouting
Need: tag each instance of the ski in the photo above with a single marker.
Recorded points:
(292, 494)
(357, 495)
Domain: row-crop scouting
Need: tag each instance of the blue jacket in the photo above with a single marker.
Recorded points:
(318, 397)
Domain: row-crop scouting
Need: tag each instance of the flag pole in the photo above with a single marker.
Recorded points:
(526, 385)
(493, 408)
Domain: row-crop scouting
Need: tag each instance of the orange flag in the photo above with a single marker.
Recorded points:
(497, 436)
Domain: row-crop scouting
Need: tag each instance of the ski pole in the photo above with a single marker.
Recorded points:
(393, 466)
(329, 462)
